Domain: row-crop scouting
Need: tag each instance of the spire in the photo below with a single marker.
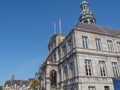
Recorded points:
(86, 15)
(12, 77)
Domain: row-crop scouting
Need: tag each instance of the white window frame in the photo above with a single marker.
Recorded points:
(85, 41)
(115, 69)
(102, 68)
(88, 67)
(118, 46)
(98, 44)
(110, 45)
(91, 88)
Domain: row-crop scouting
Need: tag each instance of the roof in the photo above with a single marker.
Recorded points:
(13, 82)
(96, 29)
(84, 2)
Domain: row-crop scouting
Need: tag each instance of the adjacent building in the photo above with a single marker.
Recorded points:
(14, 84)
(88, 58)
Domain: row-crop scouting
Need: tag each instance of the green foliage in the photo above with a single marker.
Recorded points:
(40, 78)
(1, 88)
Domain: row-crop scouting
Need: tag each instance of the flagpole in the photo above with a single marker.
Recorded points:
(55, 28)
(60, 26)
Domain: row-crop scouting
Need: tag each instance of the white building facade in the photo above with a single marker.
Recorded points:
(13, 84)
(88, 58)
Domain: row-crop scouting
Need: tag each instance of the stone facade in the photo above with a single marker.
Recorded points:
(18, 84)
(88, 58)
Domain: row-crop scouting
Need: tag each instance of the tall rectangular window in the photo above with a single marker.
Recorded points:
(59, 71)
(59, 53)
(106, 88)
(102, 68)
(64, 50)
(65, 72)
(88, 67)
(72, 69)
(110, 45)
(118, 46)
(54, 57)
(115, 69)
(70, 45)
(98, 43)
(85, 41)
(91, 88)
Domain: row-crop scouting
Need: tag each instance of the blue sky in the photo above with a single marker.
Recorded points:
(26, 27)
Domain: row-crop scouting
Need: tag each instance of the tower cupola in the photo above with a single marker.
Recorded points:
(86, 15)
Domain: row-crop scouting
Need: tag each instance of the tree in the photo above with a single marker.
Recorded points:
(1, 88)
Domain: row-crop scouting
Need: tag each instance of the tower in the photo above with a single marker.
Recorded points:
(86, 15)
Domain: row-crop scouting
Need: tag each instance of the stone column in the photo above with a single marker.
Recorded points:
(47, 83)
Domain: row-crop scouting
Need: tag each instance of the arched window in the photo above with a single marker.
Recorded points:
(91, 21)
(84, 7)
(53, 78)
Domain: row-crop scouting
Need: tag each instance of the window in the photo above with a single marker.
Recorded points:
(53, 77)
(64, 50)
(70, 45)
(91, 21)
(54, 44)
(65, 72)
(115, 69)
(72, 69)
(118, 46)
(84, 7)
(106, 88)
(98, 44)
(110, 45)
(51, 59)
(59, 74)
(86, 21)
(91, 88)
(54, 57)
(102, 68)
(88, 67)
(85, 41)
(59, 53)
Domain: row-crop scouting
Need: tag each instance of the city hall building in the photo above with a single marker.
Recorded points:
(88, 58)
